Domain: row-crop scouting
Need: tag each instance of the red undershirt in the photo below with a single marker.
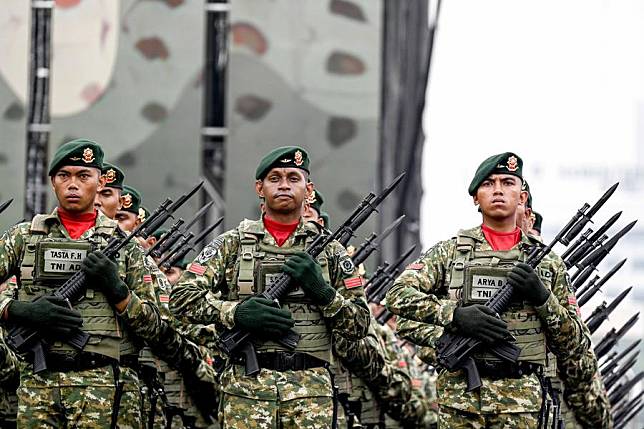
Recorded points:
(501, 240)
(279, 231)
(75, 224)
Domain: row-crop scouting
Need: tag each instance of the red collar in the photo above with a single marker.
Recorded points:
(501, 240)
(77, 224)
(280, 231)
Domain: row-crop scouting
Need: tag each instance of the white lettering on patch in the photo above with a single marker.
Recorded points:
(483, 287)
(63, 260)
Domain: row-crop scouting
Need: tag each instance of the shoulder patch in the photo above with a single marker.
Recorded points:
(354, 282)
(346, 265)
(209, 251)
(197, 269)
(163, 298)
(415, 266)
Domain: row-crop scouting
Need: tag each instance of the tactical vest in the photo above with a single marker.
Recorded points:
(257, 265)
(47, 262)
(476, 275)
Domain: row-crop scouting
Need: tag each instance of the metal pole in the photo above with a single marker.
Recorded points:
(38, 121)
(214, 131)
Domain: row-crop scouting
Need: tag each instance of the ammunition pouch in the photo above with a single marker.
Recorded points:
(284, 361)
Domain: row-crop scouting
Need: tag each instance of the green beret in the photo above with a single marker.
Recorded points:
(131, 200)
(80, 152)
(526, 188)
(283, 157)
(315, 200)
(327, 220)
(503, 163)
(538, 219)
(114, 176)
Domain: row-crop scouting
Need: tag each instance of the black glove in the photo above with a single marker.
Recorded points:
(48, 313)
(104, 274)
(263, 318)
(527, 285)
(303, 268)
(480, 322)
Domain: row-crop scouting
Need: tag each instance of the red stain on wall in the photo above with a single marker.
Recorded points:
(248, 35)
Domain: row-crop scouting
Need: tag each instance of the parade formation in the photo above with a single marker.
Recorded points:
(115, 315)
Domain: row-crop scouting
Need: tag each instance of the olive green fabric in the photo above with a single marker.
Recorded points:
(131, 200)
(537, 222)
(113, 175)
(503, 163)
(79, 152)
(526, 188)
(315, 200)
(283, 157)
(327, 219)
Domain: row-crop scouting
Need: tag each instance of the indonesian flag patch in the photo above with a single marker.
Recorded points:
(147, 278)
(354, 282)
(197, 269)
(572, 300)
(164, 298)
(416, 266)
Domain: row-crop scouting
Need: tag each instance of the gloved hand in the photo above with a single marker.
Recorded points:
(263, 318)
(480, 322)
(49, 313)
(527, 285)
(303, 268)
(104, 274)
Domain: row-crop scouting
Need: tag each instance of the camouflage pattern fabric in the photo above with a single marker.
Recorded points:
(9, 376)
(58, 398)
(420, 294)
(450, 418)
(77, 399)
(290, 396)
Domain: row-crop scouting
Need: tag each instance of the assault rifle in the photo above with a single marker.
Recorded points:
(590, 289)
(237, 341)
(618, 393)
(373, 242)
(25, 340)
(611, 362)
(377, 287)
(173, 235)
(613, 336)
(185, 246)
(454, 351)
(590, 262)
(601, 313)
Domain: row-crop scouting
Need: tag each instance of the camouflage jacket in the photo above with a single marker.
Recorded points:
(197, 295)
(141, 316)
(420, 295)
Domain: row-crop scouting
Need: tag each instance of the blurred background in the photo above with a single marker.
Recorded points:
(179, 91)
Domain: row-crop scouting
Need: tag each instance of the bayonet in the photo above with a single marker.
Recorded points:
(588, 244)
(611, 338)
(166, 213)
(175, 256)
(586, 217)
(4, 205)
(373, 242)
(589, 292)
(622, 389)
(614, 359)
(602, 312)
(611, 379)
(174, 234)
(603, 250)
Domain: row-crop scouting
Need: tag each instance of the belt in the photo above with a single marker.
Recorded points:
(285, 361)
(65, 362)
(498, 369)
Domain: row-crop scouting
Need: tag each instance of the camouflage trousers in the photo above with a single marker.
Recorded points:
(78, 399)
(451, 418)
(276, 399)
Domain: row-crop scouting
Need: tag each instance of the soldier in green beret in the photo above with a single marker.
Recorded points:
(312, 207)
(79, 387)
(536, 226)
(108, 198)
(294, 388)
(131, 213)
(446, 288)
(525, 217)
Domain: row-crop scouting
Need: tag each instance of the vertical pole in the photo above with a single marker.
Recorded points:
(38, 121)
(214, 131)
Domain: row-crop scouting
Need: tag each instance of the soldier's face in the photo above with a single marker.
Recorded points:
(173, 274)
(76, 188)
(499, 196)
(127, 220)
(310, 214)
(108, 200)
(524, 218)
(284, 190)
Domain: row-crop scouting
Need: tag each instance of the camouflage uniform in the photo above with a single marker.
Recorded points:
(209, 292)
(83, 394)
(422, 294)
(8, 375)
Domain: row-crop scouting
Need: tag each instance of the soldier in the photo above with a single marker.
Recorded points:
(293, 388)
(536, 226)
(446, 287)
(312, 207)
(131, 213)
(79, 388)
(108, 199)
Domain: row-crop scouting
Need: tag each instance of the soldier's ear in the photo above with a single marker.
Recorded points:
(523, 197)
(101, 182)
(475, 200)
(259, 188)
